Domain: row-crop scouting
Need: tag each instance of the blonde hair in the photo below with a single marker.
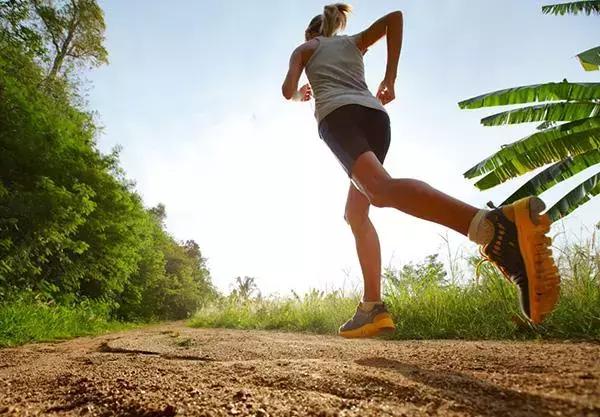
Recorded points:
(333, 19)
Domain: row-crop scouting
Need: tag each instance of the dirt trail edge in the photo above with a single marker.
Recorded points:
(172, 370)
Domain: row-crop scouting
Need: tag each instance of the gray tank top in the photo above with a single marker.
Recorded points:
(336, 73)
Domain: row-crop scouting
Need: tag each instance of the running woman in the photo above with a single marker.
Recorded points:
(355, 126)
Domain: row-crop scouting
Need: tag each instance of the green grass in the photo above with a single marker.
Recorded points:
(23, 321)
(489, 310)
(425, 304)
(314, 312)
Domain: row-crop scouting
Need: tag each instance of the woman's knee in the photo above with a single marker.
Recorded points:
(379, 193)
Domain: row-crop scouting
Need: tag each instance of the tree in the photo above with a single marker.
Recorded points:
(415, 278)
(160, 214)
(74, 30)
(61, 34)
(568, 137)
(72, 226)
(244, 287)
(16, 27)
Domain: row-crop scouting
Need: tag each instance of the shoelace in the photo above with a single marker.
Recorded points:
(495, 251)
(485, 259)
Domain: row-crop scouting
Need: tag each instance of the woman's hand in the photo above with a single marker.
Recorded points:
(386, 92)
(305, 93)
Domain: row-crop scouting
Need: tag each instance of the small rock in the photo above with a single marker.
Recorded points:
(261, 413)
(169, 411)
(242, 395)
(195, 392)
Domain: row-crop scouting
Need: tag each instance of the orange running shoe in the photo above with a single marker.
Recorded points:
(368, 323)
(520, 250)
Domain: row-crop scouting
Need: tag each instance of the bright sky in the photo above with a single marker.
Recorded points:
(193, 95)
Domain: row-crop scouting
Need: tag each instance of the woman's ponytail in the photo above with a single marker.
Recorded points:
(335, 17)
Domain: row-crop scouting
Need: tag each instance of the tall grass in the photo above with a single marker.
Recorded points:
(428, 304)
(578, 313)
(315, 311)
(24, 319)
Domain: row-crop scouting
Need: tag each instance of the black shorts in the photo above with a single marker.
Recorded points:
(352, 130)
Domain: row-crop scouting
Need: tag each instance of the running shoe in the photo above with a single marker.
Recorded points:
(521, 251)
(368, 323)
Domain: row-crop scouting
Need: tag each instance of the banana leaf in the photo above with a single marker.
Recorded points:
(555, 174)
(522, 163)
(574, 134)
(535, 93)
(545, 125)
(552, 112)
(574, 7)
(575, 198)
(590, 59)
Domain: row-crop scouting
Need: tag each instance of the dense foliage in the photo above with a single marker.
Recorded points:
(71, 225)
(567, 141)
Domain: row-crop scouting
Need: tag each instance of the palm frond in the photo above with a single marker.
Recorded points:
(560, 141)
(535, 93)
(580, 195)
(539, 157)
(555, 174)
(545, 125)
(590, 59)
(575, 7)
(551, 112)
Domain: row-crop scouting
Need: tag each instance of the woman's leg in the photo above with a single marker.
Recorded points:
(367, 242)
(513, 235)
(371, 316)
(411, 196)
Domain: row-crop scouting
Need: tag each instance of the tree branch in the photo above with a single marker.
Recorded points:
(38, 7)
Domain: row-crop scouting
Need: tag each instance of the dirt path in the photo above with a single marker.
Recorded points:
(173, 370)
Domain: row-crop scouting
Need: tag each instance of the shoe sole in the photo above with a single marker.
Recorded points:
(542, 273)
(377, 328)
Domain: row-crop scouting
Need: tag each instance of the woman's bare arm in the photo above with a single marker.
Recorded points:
(290, 84)
(391, 26)
(298, 61)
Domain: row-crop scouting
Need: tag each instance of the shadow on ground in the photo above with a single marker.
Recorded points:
(475, 395)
